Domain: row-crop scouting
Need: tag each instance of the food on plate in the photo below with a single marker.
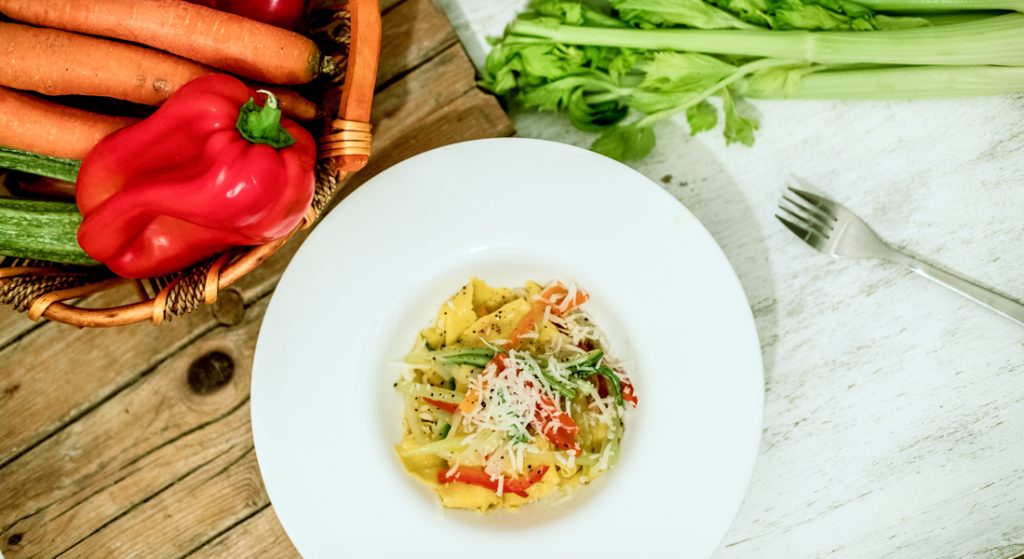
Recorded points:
(656, 60)
(32, 124)
(226, 41)
(511, 396)
(208, 171)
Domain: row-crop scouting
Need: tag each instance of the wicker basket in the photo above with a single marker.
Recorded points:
(44, 289)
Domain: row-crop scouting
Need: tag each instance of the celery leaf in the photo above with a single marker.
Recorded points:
(625, 142)
(701, 117)
(668, 13)
(738, 128)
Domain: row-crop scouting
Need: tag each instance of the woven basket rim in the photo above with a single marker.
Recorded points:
(342, 150)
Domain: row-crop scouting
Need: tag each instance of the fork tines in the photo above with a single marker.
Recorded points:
(807, 215)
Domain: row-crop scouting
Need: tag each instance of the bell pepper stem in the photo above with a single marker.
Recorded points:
(262, 125)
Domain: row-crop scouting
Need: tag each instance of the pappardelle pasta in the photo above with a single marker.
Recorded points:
(510, 397)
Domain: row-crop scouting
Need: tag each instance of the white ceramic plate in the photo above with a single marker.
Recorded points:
(325, 416)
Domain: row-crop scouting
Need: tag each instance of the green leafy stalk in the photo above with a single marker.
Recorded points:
(656, 59)
(993, 41)
(908, 82)
(636, 140)
(666, 13)
(922, 6)
(951, 18)
(574, 13)
(42, 165)
(812, 15)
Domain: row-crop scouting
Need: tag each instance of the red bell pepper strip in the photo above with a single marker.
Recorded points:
(557, 426)
(629, 393)
(209, 170)
(480, 478)
(450, 408)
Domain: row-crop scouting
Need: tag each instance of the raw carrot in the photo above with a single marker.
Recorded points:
(292, 103)
(32, 124)
(61, 63)
(57, 62)
(222, 40)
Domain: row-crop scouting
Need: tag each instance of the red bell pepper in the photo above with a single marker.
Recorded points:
(480, 478)
(282, 13)
(208, 171)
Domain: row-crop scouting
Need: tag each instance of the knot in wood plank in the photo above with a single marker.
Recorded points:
(210, 372)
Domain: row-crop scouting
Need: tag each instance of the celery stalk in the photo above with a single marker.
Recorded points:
(950, 18)
(909, 82)
(942, 5)
(993, 41)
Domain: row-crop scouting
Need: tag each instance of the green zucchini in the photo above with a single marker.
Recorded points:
(41, 230)
(44, 165)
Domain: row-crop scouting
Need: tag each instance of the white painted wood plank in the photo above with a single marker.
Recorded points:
(894, 408)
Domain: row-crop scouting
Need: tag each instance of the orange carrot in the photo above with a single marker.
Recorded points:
(557, 296)
(56, 62)
(562, 299)
(472, 399)
(526, 324)
(294, 105)
(61, 63)
(32, 124)
(222, 40)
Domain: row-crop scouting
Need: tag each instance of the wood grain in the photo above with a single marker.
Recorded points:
(57, 372)
(257, 537)
(164, 433)
(414, 32)
(107, 450)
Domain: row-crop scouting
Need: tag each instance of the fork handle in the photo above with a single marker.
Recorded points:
(1010, 308)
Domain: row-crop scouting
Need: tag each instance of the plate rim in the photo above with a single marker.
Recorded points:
(747, 317)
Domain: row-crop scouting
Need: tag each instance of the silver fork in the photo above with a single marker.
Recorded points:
(835, 230)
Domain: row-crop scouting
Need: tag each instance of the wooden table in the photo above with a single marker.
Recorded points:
(135, 442)
(894, 410)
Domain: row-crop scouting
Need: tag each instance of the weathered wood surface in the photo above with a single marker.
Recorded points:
(132, 442)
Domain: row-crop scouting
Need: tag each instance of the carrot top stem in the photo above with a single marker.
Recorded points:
(262, 125)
